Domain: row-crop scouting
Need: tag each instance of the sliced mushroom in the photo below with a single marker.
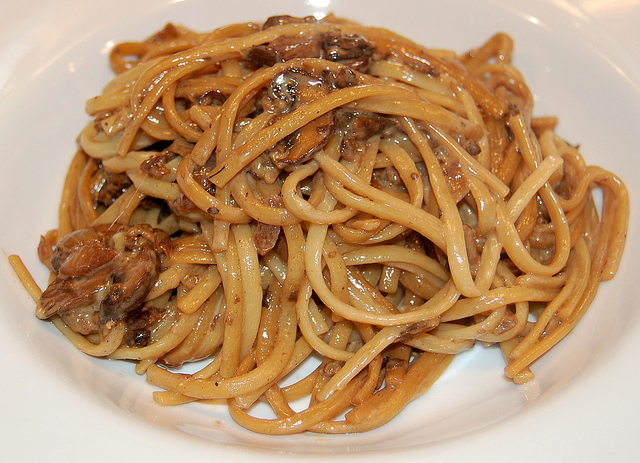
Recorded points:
(103, 273)
(304, 142)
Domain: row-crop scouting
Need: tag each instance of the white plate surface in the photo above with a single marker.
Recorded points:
(582, 60)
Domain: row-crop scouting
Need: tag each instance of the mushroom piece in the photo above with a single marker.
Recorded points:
(286, 92)
(349, 49)
(103, 273)
(301, 144)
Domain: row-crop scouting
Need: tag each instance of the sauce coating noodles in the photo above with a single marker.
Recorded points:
(325, 201)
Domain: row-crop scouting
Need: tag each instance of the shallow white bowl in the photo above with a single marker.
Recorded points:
(57, 404)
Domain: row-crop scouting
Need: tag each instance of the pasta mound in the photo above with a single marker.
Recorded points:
(320, 196)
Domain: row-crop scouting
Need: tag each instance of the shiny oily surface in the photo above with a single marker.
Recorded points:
(57, 403)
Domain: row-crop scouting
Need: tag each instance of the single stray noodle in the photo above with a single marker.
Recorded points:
(326, 213)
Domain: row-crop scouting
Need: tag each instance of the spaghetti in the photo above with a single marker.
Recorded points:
(324, 201)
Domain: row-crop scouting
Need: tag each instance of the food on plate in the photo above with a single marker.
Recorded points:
(318, 216)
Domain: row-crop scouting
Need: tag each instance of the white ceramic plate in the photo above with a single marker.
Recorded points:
(59, 405)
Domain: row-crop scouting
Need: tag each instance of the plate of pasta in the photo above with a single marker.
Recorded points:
(308, 230)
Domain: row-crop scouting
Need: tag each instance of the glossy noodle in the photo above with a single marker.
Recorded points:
(308, 219)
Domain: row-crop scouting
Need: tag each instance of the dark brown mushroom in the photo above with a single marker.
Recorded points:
(103, 273)
(287, 92)
(348, 49)
(306, 141)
